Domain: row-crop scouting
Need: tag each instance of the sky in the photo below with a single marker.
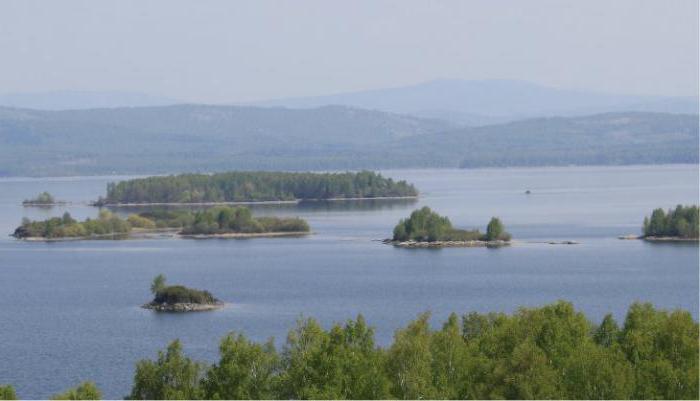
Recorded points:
(237, 51)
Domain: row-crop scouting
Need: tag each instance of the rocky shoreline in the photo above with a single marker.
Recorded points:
(182, 307)
(447, 244)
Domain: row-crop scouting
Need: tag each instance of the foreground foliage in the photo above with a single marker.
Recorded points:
(681, 222)
(7, 392)
(254, 186)
(552, 352)
(83, 391)
(426, 225)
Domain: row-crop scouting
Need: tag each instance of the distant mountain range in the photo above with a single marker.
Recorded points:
(491, 101)
(198, 138)
(461, 102)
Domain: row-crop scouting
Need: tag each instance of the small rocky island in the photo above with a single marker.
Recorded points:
(214, 222)
(427, 229)
(177, 298)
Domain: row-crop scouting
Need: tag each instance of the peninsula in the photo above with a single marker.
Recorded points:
(427, 229)
(177, 298)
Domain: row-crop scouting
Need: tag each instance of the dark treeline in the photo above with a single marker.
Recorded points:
(681, 222)
(552, 352)
(426, 225)
(254, 186)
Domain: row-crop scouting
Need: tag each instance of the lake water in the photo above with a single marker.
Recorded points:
(70, 311)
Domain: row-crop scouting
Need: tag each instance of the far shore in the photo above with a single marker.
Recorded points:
(270, 202)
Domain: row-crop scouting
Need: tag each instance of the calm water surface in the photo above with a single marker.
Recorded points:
(70, 311)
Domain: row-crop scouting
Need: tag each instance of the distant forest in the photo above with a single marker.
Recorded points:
(254, 186)
(197, 138)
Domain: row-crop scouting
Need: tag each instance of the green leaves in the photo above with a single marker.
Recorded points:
(172, 376)
(83, 391)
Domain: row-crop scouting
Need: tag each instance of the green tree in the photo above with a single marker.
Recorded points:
(83, 391)
(7, 392)
(172, 376)
(606, 334)
(495, 229)
(245, 370)
(158, 284)
(410, 361)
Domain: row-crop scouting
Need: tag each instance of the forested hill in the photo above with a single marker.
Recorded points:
(603, 139)
(196, 138)
(189, 138)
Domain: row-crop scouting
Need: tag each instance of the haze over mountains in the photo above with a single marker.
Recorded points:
(462, 102)
(491, 101)
(443, 123)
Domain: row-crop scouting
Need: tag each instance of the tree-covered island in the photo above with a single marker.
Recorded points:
(679, 224)
(425, 228)
(214, 222)
(258, 186)
(178, 298)
(43, 199)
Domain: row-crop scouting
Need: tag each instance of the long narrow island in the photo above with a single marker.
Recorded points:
(427, 229)
(241, 186)
(213, 222)
(178, 298)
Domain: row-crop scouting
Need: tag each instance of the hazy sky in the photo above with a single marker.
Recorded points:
(228, 51)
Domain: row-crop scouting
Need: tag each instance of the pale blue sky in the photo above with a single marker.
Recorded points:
(233, 51)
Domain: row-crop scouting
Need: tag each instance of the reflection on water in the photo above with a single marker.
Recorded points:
(292, 207)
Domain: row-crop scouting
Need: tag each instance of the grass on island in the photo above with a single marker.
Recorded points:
(424, 225)
(681, 222)
(549, 352)
(212, 221)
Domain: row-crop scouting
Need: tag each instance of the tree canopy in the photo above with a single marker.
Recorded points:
(241, 186)
(426, 225)
(551, 352)
(681, 222)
